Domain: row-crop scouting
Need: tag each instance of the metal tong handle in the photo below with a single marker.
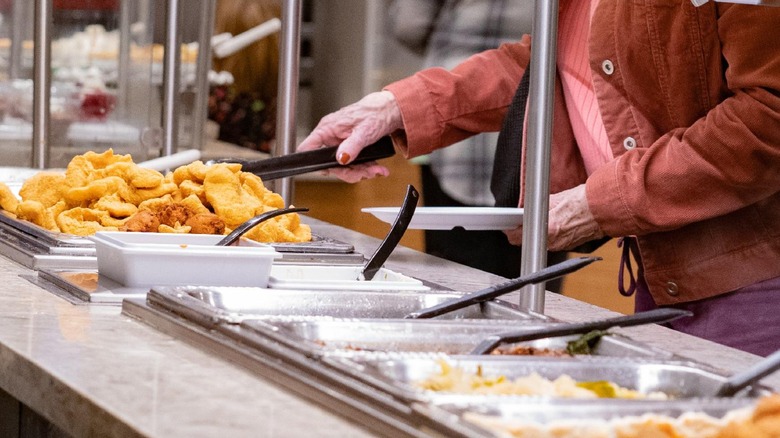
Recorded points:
(309, 161)
(652, 316)
(394, 236)
(253, 222)
(548, 273)
(737, 382)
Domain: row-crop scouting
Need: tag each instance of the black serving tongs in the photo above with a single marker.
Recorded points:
(548, 273)
(738, 382)
(255, 221)
(394, 236)
(652, 316)
(309, 161)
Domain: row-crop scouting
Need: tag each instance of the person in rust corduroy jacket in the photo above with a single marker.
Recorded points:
(690, 99)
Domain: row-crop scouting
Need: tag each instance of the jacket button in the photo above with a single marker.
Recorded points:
(607, 67)
(671, 288)
(629, 143)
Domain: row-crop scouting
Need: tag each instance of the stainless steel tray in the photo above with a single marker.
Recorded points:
(677, 379)
(582, 418)
(43, 236)
(237, 304)
(456, 337)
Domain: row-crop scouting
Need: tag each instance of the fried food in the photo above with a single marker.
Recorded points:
(84, 221)
(108, 192)
(206, 223)
(143, 221)
(44, 187)
(8, 200)
(174, 213)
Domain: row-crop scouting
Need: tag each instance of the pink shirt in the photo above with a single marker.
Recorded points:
(577, 81)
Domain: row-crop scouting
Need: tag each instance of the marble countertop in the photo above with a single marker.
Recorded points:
(93, 371)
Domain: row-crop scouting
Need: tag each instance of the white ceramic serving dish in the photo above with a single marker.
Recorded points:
(167, 259)
(289, 276)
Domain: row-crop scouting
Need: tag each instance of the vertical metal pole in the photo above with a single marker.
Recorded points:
(20, 16)
(171, 78)
(41, 83)
(287, 96)
(123, 63)
(537, 177)
(200, 110)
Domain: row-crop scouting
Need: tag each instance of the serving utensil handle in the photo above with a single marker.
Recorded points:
(548, 273)
(651, 316)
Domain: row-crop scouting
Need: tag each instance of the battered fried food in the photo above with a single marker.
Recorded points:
(206, 223)
(44, 187)
(143, 221)
(8, 201)
(108, 192)
(174, 213)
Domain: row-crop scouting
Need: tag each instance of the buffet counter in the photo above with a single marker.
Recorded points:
(92, 371)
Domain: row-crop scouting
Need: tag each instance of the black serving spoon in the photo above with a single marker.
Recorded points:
(651, 316)
(738, 382)
(253, 222)
(548, 273)
(394, 236)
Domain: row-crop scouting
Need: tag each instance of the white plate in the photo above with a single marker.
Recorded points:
(447, 218)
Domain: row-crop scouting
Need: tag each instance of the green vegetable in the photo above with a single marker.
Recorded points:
(585, 343)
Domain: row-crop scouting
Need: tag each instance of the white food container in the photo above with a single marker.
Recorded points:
(168, 259)
(284, 276)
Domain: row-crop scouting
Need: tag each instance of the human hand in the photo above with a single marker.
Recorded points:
(570, 222)
(353, 128)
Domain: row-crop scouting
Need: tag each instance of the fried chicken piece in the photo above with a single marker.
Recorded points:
(176, 228)
(84, 221)
(225, 195)
(143, 221)
(172, 213)
(44, 187)
(206, 223)
(115, 206)
(8, 200)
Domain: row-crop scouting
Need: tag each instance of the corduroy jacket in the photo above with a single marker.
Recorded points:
(690, 98)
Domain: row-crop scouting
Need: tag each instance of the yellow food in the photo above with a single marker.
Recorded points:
(108, 192)
(759, 421)
(456, 380)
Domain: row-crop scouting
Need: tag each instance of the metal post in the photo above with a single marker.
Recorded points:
(287, 96)
(171, 78)
(123, 63)
(537, 177)
(41, 83)
(15, 56)
(200, 110)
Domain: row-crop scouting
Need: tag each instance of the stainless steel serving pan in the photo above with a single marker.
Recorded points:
(400, 374)
(238, 304)
(352, 337)
(469, 419)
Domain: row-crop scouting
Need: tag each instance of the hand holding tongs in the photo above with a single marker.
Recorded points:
(649, 317)
(548, 273)
(309, 161)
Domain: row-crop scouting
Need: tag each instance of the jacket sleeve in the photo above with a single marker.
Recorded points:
(722, 162)
(441, 107)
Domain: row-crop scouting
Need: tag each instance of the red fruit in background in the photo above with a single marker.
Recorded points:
(97, 105)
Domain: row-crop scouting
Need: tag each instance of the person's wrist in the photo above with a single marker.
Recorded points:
(394, 117)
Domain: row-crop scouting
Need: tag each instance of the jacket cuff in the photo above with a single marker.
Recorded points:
(424, 133)
(606, 203)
